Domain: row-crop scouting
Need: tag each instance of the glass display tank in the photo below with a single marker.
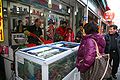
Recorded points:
(69, 45)
(45, 62)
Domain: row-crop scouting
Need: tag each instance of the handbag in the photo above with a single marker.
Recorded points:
(100, 69)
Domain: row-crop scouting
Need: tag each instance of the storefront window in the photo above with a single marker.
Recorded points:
(29, 10)
(79, 18)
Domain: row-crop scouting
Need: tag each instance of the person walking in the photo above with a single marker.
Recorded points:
(87, 50)
(113, 48)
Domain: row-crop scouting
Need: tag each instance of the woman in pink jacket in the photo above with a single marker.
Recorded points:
(87, 50)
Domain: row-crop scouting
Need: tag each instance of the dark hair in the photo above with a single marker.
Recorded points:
(69, 29)
(50, 22)
(36, 20)
(64, 22)
(90, 28)
(114, 26)
(19, 21)
(80, 23)
(61, 22)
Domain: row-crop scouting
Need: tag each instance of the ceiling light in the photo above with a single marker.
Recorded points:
(75, 13)
(69, 10)
(50, 2)
(60, 6)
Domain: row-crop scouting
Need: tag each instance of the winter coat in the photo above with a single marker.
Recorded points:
(37, 31)
(87, 51)
(78, 37)
(108, 43)
(69, 35)
(59, 34)
(50, 32)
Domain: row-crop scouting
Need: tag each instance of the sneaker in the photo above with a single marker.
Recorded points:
(114, 76)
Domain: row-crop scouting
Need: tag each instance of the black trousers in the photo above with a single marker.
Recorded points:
(115, 57)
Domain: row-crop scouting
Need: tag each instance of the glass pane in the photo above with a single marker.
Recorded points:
(29, 71)
(59, 69)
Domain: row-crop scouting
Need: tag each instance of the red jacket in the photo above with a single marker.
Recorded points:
(60, 33)
(50, 32)
(69, 37)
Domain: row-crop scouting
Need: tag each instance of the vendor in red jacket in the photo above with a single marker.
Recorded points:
(34, 32)
(50, 30)
(69, 35)
(60, 31)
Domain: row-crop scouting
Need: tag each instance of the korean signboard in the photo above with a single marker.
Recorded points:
(1, 23)
(109, 15)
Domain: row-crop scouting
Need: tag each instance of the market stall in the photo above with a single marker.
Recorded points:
(46, 62)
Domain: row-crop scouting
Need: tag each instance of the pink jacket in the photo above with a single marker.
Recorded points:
(87, 51)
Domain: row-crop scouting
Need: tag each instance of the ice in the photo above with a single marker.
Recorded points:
(39, 49)
(58, 45)
(50, 52)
